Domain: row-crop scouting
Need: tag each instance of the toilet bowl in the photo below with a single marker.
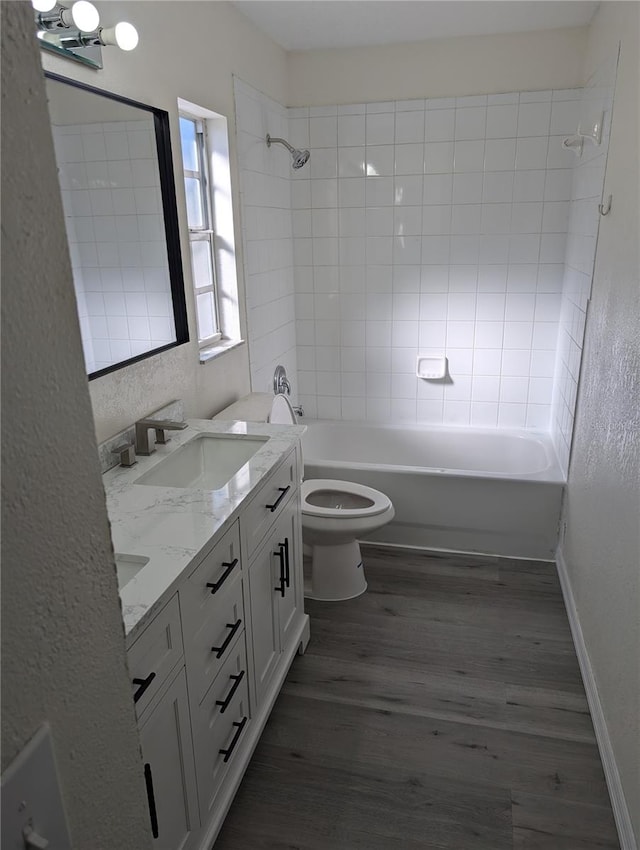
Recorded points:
(335, 514)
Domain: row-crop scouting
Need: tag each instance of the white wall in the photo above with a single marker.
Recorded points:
(432, 227)
(440, 68)
(265, 191)
(602, 543)
(63, 651)
(220, 42)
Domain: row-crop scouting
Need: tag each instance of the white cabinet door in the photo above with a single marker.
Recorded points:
(274, 590)
(263, 574)
(167, 752)
(289, 605)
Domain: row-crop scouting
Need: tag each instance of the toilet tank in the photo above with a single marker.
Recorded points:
(260, 407)
(254, 407)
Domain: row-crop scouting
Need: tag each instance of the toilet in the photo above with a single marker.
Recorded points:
(335, 514)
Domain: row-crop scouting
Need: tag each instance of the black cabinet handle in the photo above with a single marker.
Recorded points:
(151, 799)
(224, 703)
(280, 554)
(144, 684)
(283, 493)
(220, 650)
(287, 567)
(216, 585)
(229, 751)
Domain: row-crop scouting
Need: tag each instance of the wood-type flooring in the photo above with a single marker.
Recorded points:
(441, 710)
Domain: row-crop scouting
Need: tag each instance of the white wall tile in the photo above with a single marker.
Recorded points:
(470, 123)
(534, 119)
(438, 158)
(462, 259)
(468, 156)
(531, 153)
(409, 127)
(502, 121)
(500, 154)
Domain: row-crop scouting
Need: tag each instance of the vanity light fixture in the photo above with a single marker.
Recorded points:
(75, 31)
(82, 16)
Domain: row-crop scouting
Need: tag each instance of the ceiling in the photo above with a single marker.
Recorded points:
(308, 24)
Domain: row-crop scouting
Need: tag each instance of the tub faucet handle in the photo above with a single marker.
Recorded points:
(281, 383)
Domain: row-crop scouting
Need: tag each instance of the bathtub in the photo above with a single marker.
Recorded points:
(458, 489)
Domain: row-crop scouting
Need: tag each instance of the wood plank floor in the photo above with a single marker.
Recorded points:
(442, 709)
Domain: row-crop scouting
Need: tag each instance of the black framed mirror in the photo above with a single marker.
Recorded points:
(118, 191)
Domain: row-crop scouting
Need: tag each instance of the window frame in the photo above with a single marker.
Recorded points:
(206, 232)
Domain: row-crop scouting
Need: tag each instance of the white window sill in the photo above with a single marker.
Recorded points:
(218, 349)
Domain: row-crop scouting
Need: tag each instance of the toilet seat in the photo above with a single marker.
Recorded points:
(379, 503)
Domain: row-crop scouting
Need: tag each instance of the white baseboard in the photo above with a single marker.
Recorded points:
(618, 801)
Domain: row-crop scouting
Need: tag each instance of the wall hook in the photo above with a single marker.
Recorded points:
(605, 210)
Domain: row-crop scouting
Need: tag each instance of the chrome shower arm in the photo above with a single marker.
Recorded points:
(272, 139)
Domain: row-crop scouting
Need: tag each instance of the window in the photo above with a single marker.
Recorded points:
(201, 227)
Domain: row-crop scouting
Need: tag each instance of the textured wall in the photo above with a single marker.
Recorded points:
(221, 42)
(446, 67)
(63, 656)
(602, 544)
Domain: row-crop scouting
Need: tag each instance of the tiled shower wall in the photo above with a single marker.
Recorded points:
(431, 227)
(587, 187)
(267, 236)
(113, 213)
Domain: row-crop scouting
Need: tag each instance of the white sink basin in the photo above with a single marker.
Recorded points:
(128, 567)
(205, 463)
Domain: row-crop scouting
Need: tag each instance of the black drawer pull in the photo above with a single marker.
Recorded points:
(283, 493)
(144, 684)
(216, 585)
(229, 751)
(224, 703)
(280, 554)
(220, 650)
(287, 567)
(151, 800)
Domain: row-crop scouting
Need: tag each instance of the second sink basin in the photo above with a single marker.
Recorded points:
(205, 463)
(128, 567)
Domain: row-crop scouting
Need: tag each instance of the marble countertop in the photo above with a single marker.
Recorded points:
(172, 526)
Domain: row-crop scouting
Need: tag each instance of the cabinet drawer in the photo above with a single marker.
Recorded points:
(269, 503)
(221, 723)
(212, 643)
(154, 654)
(203, 596)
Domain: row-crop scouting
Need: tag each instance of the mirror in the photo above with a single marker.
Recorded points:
(116, 177)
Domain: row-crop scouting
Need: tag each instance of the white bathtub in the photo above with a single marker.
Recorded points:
(461, 489)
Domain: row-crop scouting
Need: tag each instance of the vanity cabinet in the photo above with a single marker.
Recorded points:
(210, 664)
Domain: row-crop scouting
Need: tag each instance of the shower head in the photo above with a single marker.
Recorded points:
(300, 158)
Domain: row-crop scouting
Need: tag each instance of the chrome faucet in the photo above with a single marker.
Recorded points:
(159, 426)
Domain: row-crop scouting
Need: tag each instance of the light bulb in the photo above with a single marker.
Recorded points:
(124, 35)
(85, 16)
(43, 5)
